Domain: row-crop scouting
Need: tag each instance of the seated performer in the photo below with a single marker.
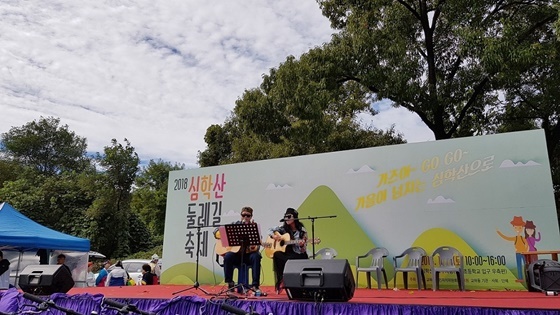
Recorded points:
(251, 255)
(297, 232)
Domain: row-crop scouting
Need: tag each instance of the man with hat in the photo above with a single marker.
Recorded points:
(251, 255)
(155, 266)
(519, 242)
(295, 229)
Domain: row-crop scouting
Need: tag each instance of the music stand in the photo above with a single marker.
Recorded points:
(242, 235)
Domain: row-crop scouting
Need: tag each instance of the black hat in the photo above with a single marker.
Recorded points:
(291, 211)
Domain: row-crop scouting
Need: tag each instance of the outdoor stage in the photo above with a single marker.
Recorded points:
(167, 299)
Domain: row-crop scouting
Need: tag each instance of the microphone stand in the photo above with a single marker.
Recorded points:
(196, 285)
(313, 228)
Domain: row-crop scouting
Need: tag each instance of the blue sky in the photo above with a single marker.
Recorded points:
(155, 72)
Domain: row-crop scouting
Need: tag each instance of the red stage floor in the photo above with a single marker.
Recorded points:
(493, 299)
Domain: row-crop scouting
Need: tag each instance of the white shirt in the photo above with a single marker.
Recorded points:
(5, 279)
(90, 279)
(117, 272)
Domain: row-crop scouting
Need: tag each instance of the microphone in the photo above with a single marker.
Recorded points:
(284, 220)
(232, 309)
(35, 298)
(45, 304)
(125, 307)
(116, 304)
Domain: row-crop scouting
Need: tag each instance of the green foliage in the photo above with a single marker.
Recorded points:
(9, 171)
(441, 60)
(147, 254)
(45, 174)
(56, 201)
(140, 237)
(45, 146)
(149, 199)
(300, 108)
(111, 208)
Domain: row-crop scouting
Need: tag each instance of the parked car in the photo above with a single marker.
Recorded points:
(134, 267)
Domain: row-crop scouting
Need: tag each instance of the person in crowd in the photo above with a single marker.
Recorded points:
(293, 227)
(102, 276)
(4, 272)
(130, 281)
(117, 276)
(155, 266)
(61, 260)
(43, 256)
(148, 278)
(251, 255)
(90, 277)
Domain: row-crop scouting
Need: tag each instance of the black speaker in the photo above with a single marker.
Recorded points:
(544, 275)
(319, 280)
(45, 279)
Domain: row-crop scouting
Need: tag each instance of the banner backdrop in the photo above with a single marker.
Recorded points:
(489, 196)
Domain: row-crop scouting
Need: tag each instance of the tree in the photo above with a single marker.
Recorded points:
(111, 209)
(9, 171)
(149, 199)
(45, 146)
(298, 109)
(57, 201)
(438, 59)
(41, 166)
(532, 97)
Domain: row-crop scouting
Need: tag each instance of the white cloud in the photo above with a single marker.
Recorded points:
(276, 187)
(158, 73)
(440, 199)
(510, 163)
(231, 213)
(363, 169)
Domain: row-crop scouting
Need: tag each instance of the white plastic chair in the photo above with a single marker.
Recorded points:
(414, 264)
(447, 259)
(378, 255)
(326, 253)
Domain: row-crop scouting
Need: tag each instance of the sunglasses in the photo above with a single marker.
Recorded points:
(289, 216)
(246, 215)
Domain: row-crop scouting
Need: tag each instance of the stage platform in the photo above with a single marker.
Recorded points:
(174, 299)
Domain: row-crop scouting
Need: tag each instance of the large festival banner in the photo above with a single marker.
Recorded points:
(488, 196)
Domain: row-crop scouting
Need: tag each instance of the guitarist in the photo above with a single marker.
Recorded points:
(251, 255)
(297, 231)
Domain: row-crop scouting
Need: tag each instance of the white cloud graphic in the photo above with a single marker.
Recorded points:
(231, 213)
(510, 163)
(440, 199)
(275, 187)
(363, 169)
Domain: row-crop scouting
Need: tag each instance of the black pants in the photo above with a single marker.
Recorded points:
(279, 261)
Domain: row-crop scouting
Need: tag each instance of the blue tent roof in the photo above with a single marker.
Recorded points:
(20, 232)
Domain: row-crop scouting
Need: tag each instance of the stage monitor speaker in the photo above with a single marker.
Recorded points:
(544, 275)
(319, 280)
(45, 279)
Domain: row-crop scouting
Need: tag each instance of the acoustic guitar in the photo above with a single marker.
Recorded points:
(271, 245)
(222, 250)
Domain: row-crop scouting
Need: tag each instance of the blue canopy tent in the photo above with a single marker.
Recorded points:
(20, 233)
